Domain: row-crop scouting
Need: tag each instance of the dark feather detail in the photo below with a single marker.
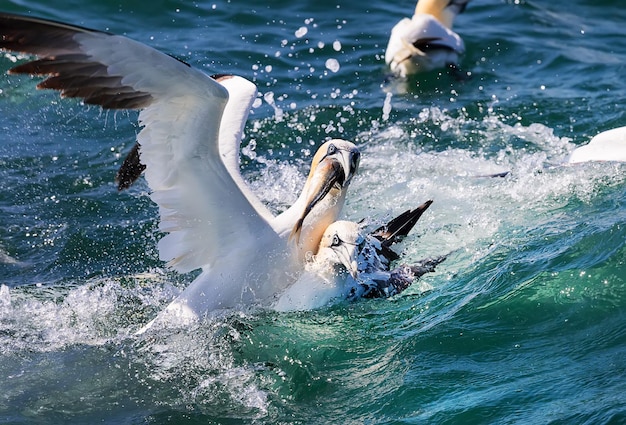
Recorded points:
(429, 44)
(130, 170)
(458, 5)
(399, 227)
(61, 64)
(401, 277)
(426, 266)
(219, 77)
(67, 67)
(38, 36)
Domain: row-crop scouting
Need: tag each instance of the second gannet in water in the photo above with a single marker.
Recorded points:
(377, 279)
(351, 265)
(212, 219)
(325, 278)
(426, 41)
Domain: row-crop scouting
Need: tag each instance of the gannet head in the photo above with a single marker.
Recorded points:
(333, 167)
(340, 245)
(443, 10)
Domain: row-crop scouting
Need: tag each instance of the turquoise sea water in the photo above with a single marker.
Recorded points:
(525, 322)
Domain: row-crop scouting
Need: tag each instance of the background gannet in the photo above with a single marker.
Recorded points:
(609, 145)
(214, 222)
(426, 41)
(350, 265)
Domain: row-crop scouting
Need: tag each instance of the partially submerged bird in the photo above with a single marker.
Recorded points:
(350, 265)
(326, 277)
(609, 145)
(192, 125)
(426, 41)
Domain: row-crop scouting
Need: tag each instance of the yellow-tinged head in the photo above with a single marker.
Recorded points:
(332, 169)
(443, 10)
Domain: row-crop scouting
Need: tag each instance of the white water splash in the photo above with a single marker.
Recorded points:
(268, 97)
(44, 318)
(387, 106)
(5, 296)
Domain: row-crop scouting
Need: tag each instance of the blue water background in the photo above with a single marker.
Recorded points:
(525, 322)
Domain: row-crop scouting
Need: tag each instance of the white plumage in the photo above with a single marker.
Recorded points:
(426, 41)
(189, 144)
(609, 145)
(351, 265)
(326, 277)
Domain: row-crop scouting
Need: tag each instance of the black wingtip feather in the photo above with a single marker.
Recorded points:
(400, 226)
(130, 170)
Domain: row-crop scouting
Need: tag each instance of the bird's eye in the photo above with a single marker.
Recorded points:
(331, 149)
(336, 241)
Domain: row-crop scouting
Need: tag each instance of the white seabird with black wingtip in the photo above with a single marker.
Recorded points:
(426, 41)
(351, 265)
(189, 145)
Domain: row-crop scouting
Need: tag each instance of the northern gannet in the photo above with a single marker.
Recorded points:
(609, 145)
(189, 143)
(376, 277)
(325, 278)
(350, 265)
(426, 41)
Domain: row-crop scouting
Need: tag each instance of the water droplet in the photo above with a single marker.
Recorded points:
(332, 65)
(301, 32)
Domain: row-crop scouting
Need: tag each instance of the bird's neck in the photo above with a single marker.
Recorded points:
(438, 10)
(326, 213)
(321, 216)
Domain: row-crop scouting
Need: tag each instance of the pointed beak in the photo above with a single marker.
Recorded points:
(347, 254)
(328, 174)
(350, 161)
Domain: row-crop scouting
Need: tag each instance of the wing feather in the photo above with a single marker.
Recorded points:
(201, 206)
(241, 94)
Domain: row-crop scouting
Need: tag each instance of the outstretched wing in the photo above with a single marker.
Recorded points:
(201, 207)
(241, 96)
